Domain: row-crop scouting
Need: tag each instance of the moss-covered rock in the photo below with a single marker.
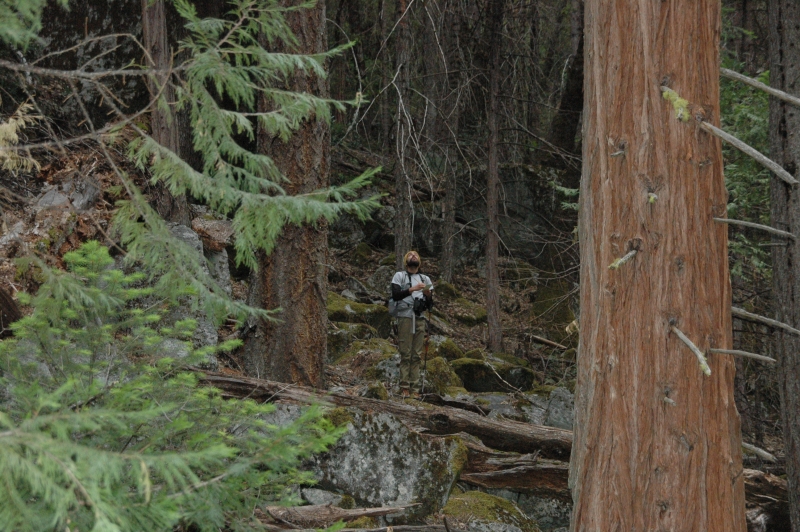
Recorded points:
(376, 390)
(511, 359)
(339, 417)
(388, 260)
(341, 335)
(447, 291)
(362, 254)
(476, 508)
(372, 359)
(468, 313)
(363, 522)
(441, 346)
(380, 462)
(342, 309)
(485, 376)
(519, 274)
(439, 376)
(477, 354)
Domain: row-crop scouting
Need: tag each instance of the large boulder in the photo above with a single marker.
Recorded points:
(561, 409)
(492, 376)
(341, 335)
(441, 346)
(440, 377)
(380, 462)
(550, 514)
(342, 309)
(467, 312)
(481, 512)
(373, 359)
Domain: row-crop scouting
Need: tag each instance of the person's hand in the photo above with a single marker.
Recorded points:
(427, 293)
(416, 287)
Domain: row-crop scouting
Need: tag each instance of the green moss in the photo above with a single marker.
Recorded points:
(342, 309)
(363, 522)
(543, 390)
(475, 505)
(477, 354)
(341, 335)
(347, 502)
(377, 390)
(339, 417)
(388, 260)
(447, 349)
(455, 390)
(468, 312)
(363, 253)
(511, 359)
(447, 291)
(440, 376)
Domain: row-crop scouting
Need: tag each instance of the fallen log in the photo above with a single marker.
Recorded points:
(321, 515)
(767, 500)
(526, 473)
(504, 435)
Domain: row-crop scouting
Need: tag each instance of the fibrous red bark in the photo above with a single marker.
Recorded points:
(657, 443)
(293, 277)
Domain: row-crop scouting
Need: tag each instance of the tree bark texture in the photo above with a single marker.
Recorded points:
(403, 171)
(784, 127)
(163, 124)
(641, 462)
(293, 278)
(495, 327)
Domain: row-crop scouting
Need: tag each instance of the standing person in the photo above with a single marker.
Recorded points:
(413, 293)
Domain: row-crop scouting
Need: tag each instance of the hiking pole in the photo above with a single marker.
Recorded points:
(425, 352)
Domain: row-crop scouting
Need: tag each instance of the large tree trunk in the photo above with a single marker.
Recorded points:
(403, 171)
(163, 125)
(657, 443)
(784, 22)
(293, 278)
(496, 8)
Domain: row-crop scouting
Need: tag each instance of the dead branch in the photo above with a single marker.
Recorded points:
(788, 98)
(766, 228)
(749, 316)
(323, 515)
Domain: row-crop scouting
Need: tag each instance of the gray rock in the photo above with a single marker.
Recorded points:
(220, 271)
(389, 369)
(486, 526)
(345, 233)
(550, 514)
(536, 412)
(52, 198)
(317, 496)
(283, 415)
(348, 294)
(381, 280)
(561, 410)
(84, 194)
(380, 462)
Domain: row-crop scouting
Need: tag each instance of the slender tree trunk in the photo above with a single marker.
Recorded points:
(404, 217)
(449, 127)
(163, 125)
(293, 278)
(784, 23)
(496, 9)
(657, 443)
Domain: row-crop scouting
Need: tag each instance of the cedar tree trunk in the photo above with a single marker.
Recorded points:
(657, 442)
(294, 278)
(784, 127)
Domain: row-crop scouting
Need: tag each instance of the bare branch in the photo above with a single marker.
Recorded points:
(788, 98)
(766, 228)
(741, 313)
(761, 453)
(762, 159)
(701, 358)
(745, 354)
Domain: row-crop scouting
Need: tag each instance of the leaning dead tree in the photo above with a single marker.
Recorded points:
(649, 422)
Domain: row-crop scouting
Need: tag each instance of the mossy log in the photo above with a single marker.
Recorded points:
(505, 435)
(321, 515)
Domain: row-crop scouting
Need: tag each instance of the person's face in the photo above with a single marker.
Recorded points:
(413, 262)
